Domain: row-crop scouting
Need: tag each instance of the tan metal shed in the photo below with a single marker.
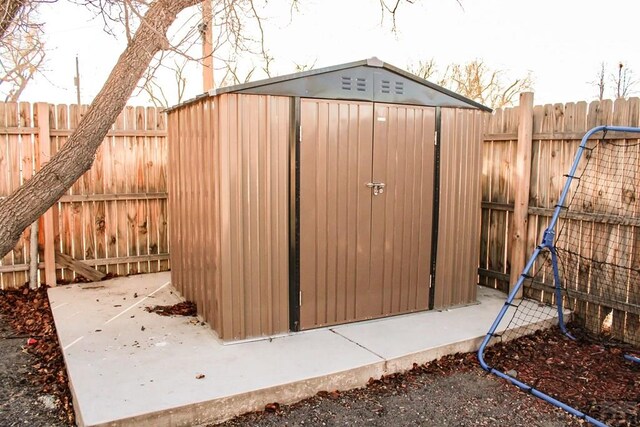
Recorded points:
(323, 197)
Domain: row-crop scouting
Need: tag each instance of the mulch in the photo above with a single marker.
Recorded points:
(592, 377)
(29, 314)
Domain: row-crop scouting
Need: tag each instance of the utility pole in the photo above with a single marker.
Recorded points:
(206, 32)
(76, 80)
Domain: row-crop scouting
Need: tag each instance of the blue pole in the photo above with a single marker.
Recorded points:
(558, 291)
(631, 358)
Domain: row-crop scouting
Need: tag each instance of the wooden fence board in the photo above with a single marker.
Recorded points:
(557, 131)
(114, 216)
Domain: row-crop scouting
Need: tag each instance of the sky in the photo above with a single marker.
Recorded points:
(561, 42)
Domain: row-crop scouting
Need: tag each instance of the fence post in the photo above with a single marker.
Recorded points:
(48, 233)
(523, 180)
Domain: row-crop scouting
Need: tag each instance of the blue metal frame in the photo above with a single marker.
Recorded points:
(547, 243)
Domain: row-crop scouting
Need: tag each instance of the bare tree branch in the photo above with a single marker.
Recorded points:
(476, 81)
(622, 81)
(33, 198)
(22, 55)
(10, 10)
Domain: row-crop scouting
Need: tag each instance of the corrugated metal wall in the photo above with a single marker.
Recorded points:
(254, 167)
(335, 209)
(229, 211)
(459, 213)
(193, 152)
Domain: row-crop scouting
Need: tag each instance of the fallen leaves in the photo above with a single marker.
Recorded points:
(185, 308)
(28, 313)
(272, 407)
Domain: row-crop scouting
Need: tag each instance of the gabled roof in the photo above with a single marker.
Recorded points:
(366, 80)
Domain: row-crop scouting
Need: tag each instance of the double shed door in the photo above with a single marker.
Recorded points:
(365, 249)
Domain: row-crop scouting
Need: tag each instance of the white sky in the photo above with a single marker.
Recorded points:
(562, 42)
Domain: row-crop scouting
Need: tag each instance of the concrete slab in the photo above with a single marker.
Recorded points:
(130, 367)
(422, 337)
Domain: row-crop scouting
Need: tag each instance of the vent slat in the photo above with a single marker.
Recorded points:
(346, 83)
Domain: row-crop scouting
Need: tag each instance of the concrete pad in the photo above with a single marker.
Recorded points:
(130, 367)
(426, 336)
(126, 365)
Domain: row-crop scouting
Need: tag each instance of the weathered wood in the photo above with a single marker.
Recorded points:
(609, 219)
(567, 137)
(207, 47)
(523, 174)
(96, 203)
(84, 270)
(124, 133)
(604, 228)
(614, 304)
(44, 146)
(94, 262)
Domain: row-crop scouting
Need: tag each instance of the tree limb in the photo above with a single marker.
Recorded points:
(33, 198)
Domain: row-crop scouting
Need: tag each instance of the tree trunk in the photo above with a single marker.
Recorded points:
(35, 196)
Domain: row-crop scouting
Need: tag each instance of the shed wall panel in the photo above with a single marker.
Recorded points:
(192, 206)
(459, 211)
(229, 211)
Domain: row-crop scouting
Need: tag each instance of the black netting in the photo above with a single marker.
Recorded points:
(598, 244)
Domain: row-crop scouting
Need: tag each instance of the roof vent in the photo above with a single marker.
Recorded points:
(385, 86)
(361, 84)
(346, 83)
(399, 88)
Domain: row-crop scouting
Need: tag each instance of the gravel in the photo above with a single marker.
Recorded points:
(22, 403)
(450, 392)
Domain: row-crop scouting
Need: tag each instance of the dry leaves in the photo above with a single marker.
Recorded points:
(185, 308)
(592, 378)
(29, 314)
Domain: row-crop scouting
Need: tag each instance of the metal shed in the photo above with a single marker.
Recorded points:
(328, 196)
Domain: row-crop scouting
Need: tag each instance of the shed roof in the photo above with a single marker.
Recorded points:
(367, 80)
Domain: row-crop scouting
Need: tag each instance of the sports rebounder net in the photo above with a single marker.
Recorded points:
(570, 330)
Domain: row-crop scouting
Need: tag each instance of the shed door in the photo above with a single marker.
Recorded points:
(364, 253)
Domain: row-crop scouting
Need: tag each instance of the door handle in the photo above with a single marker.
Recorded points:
(378, 187)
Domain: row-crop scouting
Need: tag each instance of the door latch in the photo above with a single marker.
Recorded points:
(378, 187)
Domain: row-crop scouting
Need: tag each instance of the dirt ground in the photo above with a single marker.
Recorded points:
(450, 391)
(23, 403)
(453, 391)
(32, 371)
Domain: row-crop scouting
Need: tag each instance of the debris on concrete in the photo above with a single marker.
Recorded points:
(185, 308)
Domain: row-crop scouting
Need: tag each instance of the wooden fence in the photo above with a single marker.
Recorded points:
(556, 133)
(114, 218)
